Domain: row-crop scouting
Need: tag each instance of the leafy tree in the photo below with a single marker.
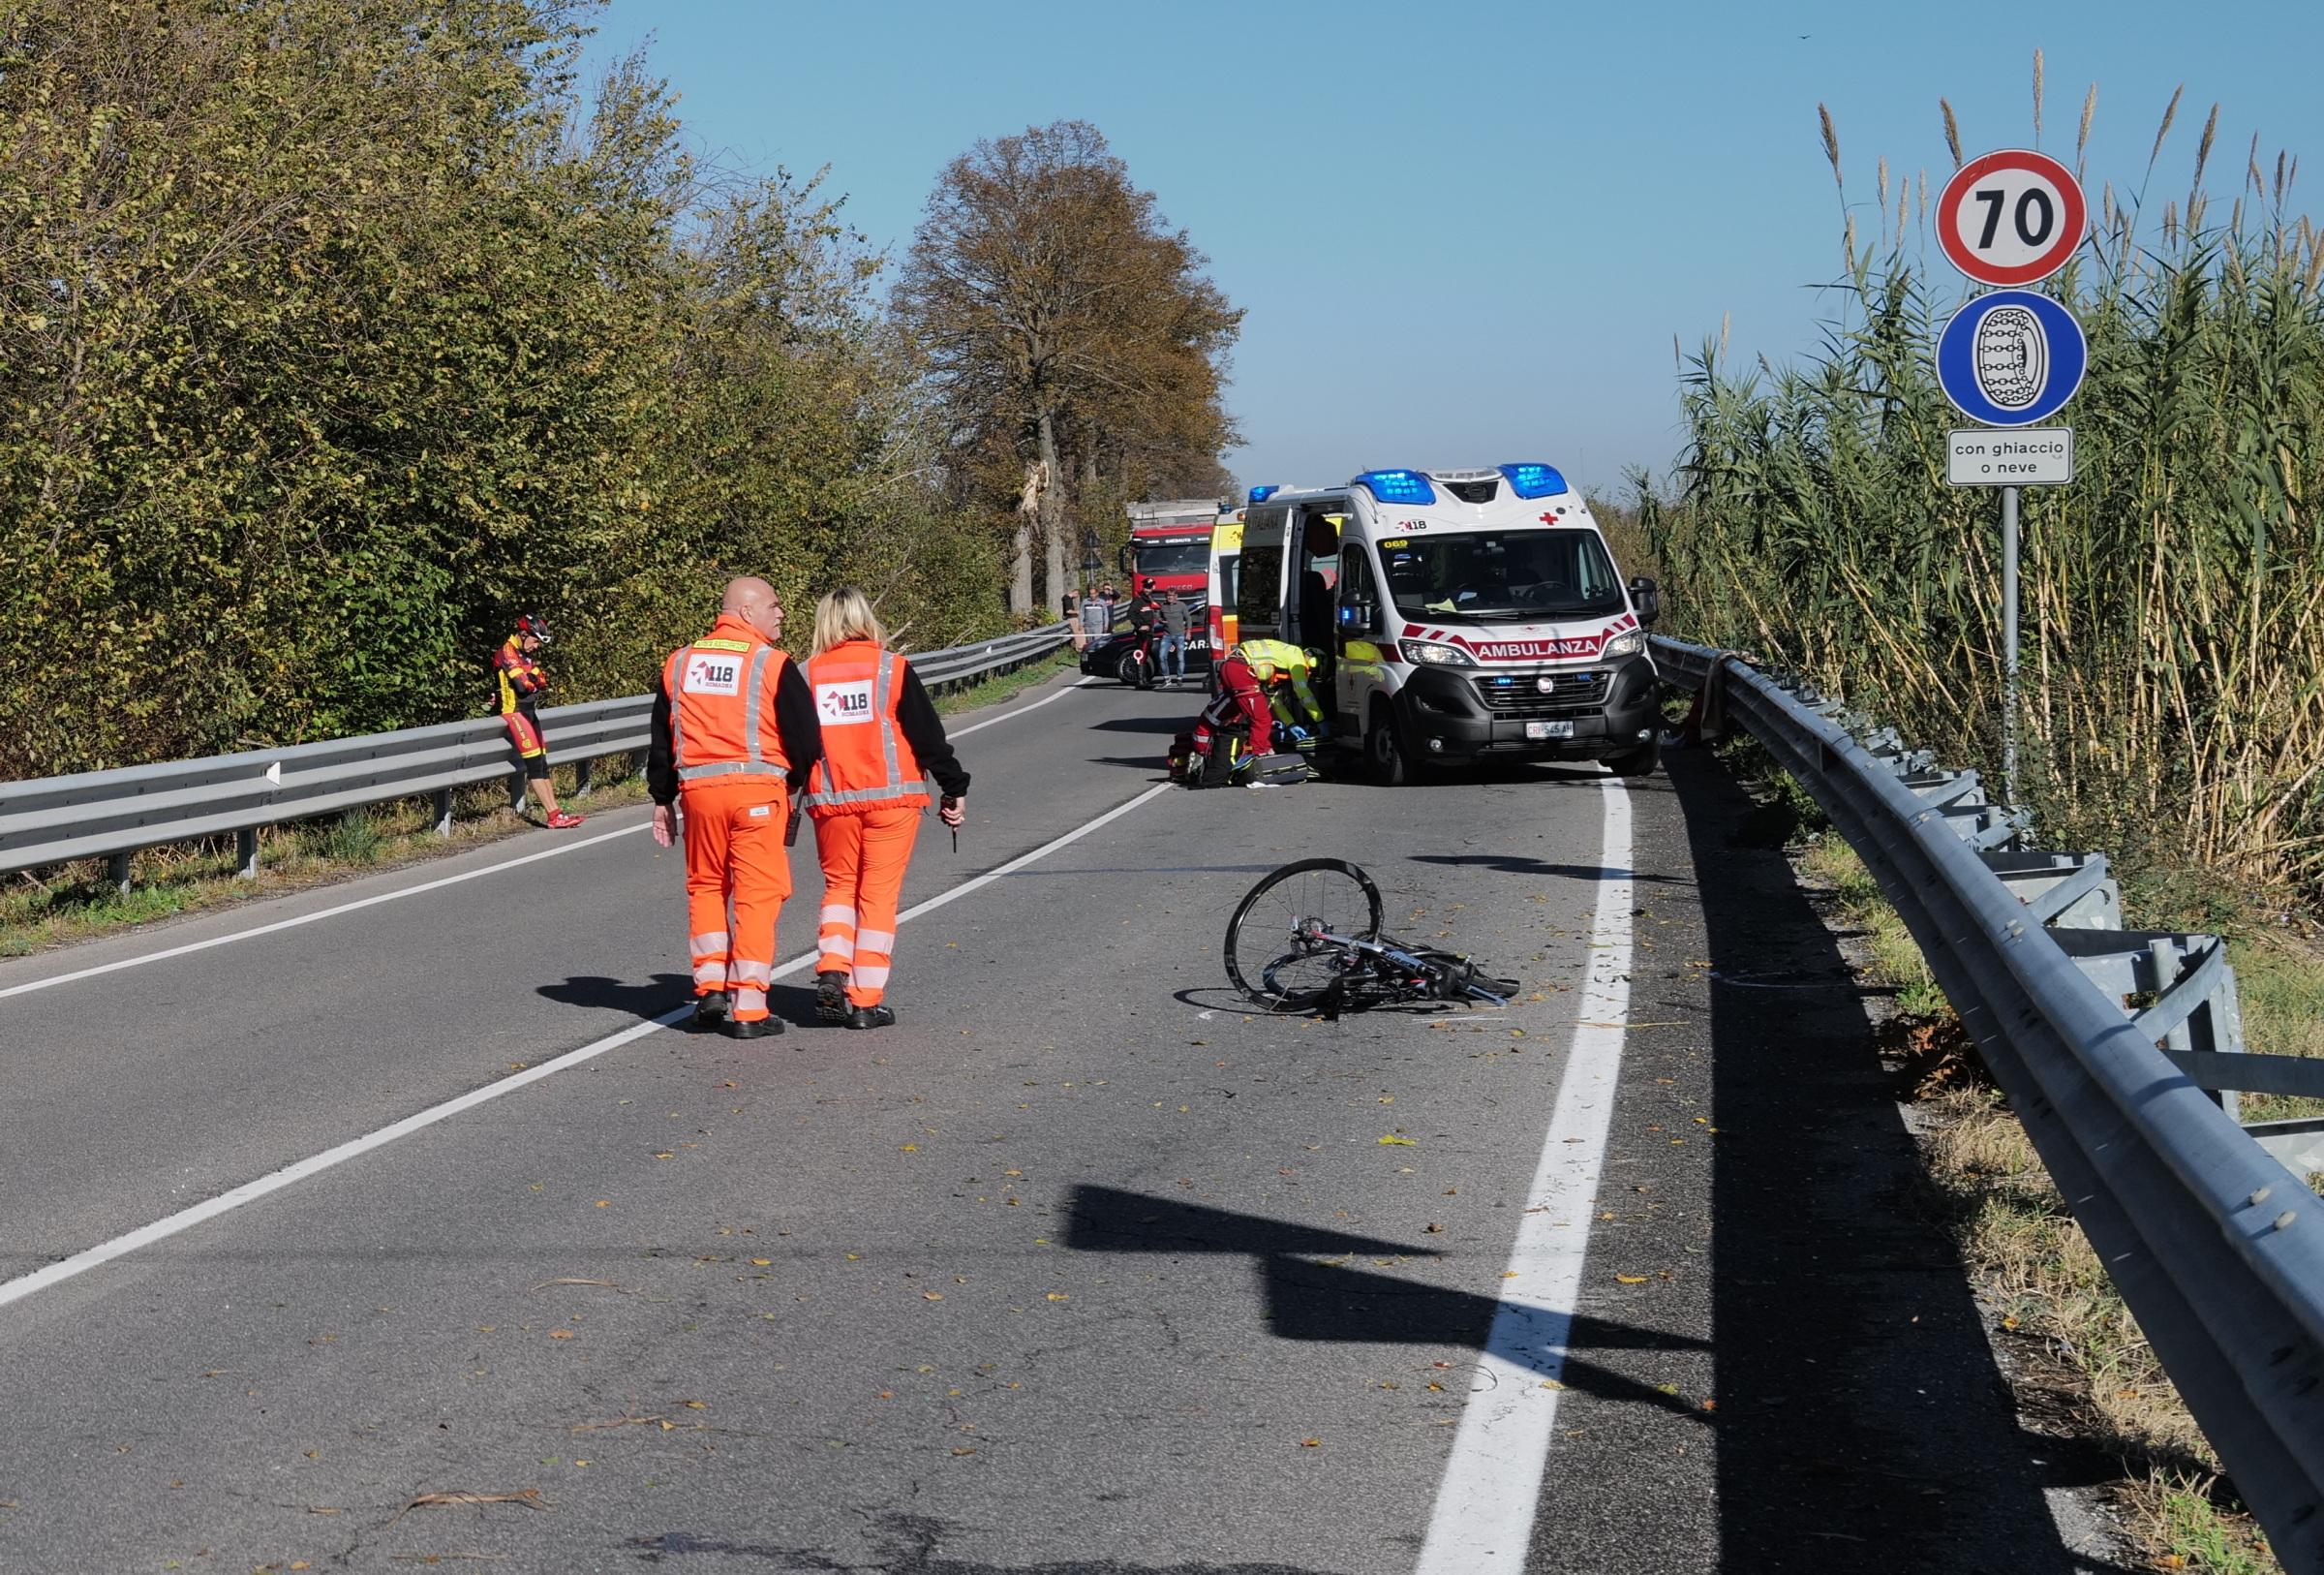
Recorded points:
(1075, 345)
(334, 331)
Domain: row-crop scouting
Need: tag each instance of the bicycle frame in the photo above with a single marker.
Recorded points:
(1353, 948)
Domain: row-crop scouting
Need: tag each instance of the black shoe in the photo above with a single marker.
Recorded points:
(711, 1007)
(831, 997)
(871, 1017)
(763, 1027)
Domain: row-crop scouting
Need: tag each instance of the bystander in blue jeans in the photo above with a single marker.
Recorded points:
(1171, 657)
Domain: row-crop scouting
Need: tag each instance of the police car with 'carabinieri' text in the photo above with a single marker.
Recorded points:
(1456, 615)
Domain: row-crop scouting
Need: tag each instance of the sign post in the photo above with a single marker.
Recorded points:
(2012, 357)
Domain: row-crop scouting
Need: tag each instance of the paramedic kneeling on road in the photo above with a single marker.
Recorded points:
(880, 734)
(732, 718)
(1262, 686)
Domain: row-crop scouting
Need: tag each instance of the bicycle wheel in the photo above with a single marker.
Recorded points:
(1278, 950)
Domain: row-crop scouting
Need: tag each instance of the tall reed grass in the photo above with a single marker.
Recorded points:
(2172, 703)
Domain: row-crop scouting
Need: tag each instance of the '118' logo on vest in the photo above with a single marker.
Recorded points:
(840, 704)
(712, 676)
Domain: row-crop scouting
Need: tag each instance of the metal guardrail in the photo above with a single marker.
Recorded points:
(111, 814)
(2117, 1049)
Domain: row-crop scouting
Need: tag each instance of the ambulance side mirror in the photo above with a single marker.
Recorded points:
(1647, 599)
(1357, 618)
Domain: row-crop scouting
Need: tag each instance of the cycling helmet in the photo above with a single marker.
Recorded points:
(533, 626)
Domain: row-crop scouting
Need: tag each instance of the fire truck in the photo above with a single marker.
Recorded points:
(1170, 547)
(1169, 550)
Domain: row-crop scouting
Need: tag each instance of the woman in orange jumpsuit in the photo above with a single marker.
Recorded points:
(881, 736)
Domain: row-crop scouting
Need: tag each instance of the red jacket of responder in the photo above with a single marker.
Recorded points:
(721, 698)
(866, 760)
(1240, 692)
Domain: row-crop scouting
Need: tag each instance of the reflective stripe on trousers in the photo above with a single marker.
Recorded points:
(735, 864)
(864, 853)
(708, 954)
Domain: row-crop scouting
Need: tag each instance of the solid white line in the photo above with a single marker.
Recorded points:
(81, 1263)
(320, 913)
(994, 722)
(1483, 1517)
(252, 933)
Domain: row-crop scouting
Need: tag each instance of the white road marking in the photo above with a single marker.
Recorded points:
(994, 722)
(15, 1290)
(1484, 1504)
(256, 931)
(252, 933)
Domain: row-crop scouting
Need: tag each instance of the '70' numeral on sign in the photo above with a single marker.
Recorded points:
(2023, 220)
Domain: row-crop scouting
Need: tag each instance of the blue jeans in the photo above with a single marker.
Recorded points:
(1171, 657)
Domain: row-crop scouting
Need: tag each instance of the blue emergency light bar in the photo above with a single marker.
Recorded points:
(1534, 480)
(1260, 494)
(1397, 486)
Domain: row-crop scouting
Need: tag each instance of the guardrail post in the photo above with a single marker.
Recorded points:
(116, 870)
(444, 812)
(516, 791)
(581, 776)
(246, 854)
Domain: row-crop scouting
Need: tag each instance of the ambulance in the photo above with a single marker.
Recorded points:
(1458, 615)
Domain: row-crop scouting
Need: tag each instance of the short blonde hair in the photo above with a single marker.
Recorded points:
(845, 614)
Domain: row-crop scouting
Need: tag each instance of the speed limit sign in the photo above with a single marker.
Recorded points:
(2011, 218)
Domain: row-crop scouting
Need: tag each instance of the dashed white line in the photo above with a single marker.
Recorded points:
(82, 1262)
(1482, 1521)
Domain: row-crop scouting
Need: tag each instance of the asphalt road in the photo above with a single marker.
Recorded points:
(1078, 1268)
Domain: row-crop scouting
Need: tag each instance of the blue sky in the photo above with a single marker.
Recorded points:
(1466, 232)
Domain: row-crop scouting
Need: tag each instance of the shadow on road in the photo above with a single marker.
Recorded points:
(1513, 864)
(1159, 726)
(1326, 1301)
(1858, 1395)
(666, 992)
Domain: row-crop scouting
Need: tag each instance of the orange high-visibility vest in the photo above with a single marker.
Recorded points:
(721, 690)
(866, 759)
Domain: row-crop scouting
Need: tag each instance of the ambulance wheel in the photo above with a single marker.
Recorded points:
(1384, 750)
(1639, 761)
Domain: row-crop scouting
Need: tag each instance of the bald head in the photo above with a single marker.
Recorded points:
(752, 600)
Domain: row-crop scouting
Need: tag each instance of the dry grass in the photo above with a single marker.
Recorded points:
(1896, 957)
(2280, 978)
(2031, 1262)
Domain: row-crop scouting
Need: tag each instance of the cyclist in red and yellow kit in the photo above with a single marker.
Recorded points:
(521, 682)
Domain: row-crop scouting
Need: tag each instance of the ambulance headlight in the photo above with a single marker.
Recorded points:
(1628, 644)
(1434, 654)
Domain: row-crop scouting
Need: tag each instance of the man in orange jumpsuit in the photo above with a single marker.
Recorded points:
(880, 736)
(733, 723)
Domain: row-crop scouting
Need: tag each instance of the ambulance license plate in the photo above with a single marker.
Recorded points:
(1548, 730)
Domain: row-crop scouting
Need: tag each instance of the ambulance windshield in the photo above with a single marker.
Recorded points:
(1502, 576)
